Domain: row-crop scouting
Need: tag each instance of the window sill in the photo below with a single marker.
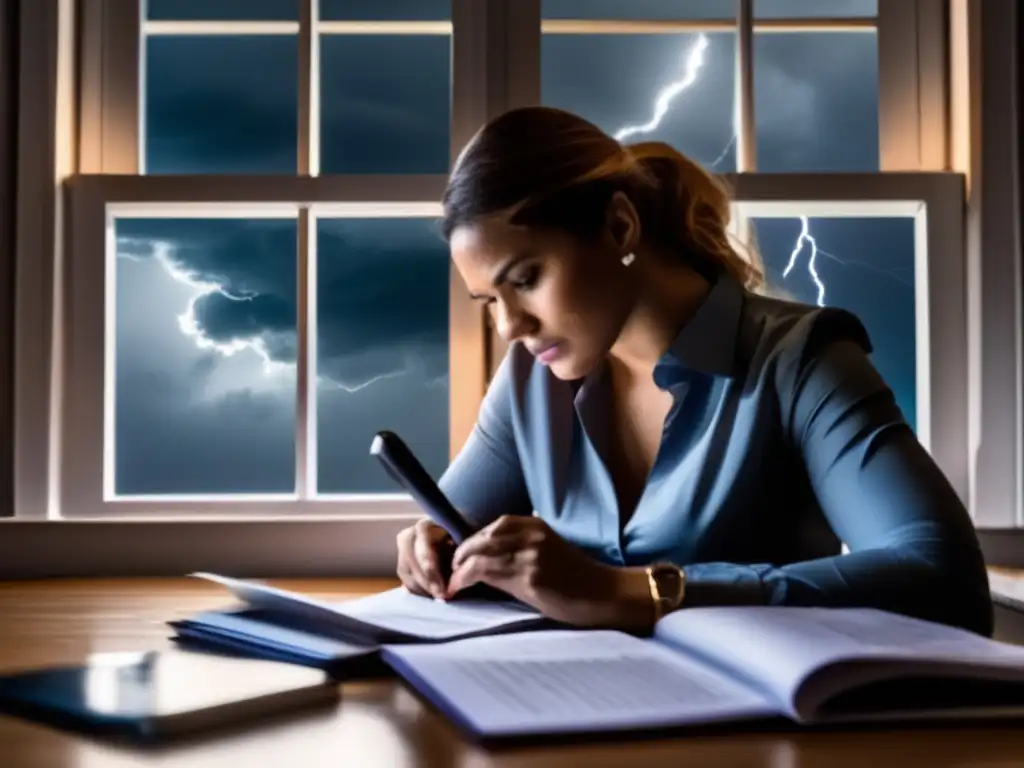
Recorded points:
(267, 548)
(1002, 547)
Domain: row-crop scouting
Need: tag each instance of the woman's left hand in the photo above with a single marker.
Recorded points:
(523, 557)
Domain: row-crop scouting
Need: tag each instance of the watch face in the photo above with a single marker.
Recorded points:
(669, 580)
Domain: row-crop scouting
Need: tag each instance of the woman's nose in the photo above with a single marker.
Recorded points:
(511, 321)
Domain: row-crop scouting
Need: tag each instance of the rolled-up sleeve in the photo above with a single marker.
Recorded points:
(485, 480)
(912, 545)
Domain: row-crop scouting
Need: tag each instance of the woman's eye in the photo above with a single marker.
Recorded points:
(527, 280)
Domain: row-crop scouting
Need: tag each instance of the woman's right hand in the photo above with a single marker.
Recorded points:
(424, 558)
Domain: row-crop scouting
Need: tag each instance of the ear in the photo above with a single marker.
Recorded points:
(622, 224)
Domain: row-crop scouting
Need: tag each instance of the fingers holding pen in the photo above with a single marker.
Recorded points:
(423, 551)
(432, 545)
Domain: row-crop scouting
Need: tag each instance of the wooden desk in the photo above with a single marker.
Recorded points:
(382, 723)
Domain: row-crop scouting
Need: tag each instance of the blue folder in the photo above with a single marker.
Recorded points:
(260, 634)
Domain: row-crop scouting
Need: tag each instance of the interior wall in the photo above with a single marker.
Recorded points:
(8, 134)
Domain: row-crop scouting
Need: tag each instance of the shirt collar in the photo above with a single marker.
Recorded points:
(707, 343)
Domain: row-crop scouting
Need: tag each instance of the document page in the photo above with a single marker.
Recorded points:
(392, 616)
(401, 611)
(565, 681)
(780, 647)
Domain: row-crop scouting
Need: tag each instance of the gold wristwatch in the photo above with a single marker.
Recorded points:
(668, 587)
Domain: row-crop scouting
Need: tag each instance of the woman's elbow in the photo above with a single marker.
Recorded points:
(958, 589)
(971, 605)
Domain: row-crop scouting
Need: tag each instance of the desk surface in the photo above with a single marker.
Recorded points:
(382, 723)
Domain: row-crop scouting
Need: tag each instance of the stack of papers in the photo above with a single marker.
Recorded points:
(343, 637)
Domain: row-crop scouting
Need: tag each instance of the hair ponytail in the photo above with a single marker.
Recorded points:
(550, 168)
(691, 211)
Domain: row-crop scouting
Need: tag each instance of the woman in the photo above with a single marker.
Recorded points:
(660, 435)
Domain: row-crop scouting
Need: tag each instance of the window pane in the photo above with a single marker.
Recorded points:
(222, 10)
(863, 265)
(204, 331)
(816, 101)
(218, 104)
(385, 10)
(382, 347)
(828, 9)
(375, 118)
(674, 88)
(638, 9)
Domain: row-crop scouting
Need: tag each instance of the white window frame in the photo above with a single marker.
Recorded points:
(499, 47)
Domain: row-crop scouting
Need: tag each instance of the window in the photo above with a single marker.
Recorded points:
(676, 88)
(261, 326)
(205, 112)
(290, 133)
(389, 373)
(862, 264)
(651, 73)
(375, 118)
(876, 281)
(200, 332)
(816, 100)
(288, 333)
(888, 249)
(238, 368)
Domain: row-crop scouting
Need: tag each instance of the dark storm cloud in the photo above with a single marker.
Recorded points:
(221, 104)
(382, 295)
(383, 284)
(817, 102)
(242, 443)
(385, 103)
(217, 104)
(246, 257)
(223, 319)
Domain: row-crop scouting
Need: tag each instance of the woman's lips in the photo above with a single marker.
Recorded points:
(549, 353)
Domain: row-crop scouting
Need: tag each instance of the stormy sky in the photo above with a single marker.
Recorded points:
(206, 310)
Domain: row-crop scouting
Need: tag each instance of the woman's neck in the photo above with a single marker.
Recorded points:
(669, 298)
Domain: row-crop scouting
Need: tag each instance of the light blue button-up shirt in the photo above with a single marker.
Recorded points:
(783, 442)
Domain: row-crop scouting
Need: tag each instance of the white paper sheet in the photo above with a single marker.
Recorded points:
(393, 611)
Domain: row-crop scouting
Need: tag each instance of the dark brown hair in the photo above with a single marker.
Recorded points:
(548, 168)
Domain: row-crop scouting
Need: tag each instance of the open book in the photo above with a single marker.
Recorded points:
(712, 665)
(281, 625)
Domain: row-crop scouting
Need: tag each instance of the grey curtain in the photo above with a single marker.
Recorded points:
(8, 149)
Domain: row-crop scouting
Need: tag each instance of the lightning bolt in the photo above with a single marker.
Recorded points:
(805, 237)
(188, 323)
(693, 64)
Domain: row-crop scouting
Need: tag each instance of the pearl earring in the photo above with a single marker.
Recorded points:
(628, 259)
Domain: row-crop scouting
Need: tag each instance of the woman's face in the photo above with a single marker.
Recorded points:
(565, 300)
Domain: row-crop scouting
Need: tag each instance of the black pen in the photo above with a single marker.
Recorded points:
(405, 469)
